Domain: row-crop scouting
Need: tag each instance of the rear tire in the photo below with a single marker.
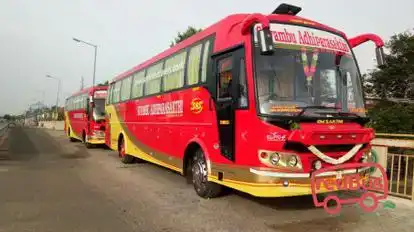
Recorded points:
(125, 158)
(202, 186)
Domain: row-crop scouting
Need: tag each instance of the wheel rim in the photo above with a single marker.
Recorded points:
(199, 174)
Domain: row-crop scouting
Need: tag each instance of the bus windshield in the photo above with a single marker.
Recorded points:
(99, 109)
(297, 77)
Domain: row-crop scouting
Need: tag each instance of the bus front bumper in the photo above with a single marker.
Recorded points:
(96, 138)
(264, 183)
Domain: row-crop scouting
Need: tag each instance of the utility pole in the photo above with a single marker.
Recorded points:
(82, 83)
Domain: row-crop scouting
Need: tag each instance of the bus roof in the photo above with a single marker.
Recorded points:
(90, 90)
(228, 33)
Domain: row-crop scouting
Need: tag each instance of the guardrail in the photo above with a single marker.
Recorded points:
(4, 134)
(395, 152)
(54, 125)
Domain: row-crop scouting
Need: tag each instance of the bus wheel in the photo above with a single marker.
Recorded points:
(204, 188)
(87, 145)
(125, 158)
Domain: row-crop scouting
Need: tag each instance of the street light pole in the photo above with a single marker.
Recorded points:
(94, 62)
(57, 95)
(94, 66)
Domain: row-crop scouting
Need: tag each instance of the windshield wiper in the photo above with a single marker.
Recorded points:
(315, 107)
(340, 113)
(346, 114)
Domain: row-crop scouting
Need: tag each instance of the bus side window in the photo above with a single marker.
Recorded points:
(108, 98)
(242, 102)
(224, 77)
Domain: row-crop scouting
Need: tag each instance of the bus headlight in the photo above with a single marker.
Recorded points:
(292, 161)
(98, 133)
(366, 157)
(274, 158)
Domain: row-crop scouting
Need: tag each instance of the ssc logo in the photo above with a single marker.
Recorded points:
(197, 105)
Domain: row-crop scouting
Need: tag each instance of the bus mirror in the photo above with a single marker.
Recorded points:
(265, 41)
(380, 56)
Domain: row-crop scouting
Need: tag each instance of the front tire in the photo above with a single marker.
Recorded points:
(202, 186)
(125, 158)
(87, 145)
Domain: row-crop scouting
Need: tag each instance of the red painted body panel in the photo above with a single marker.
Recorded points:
(171, 134)
(78, 121)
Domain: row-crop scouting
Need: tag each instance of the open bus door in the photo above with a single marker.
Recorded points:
(108, 119)
(227, 85)
(107, 131)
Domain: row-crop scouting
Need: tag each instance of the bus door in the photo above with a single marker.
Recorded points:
(227, 91)
(108, 117)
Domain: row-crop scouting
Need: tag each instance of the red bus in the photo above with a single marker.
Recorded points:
(254, 102)
(85, 116)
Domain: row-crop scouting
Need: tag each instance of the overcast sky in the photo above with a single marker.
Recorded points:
(36, 36)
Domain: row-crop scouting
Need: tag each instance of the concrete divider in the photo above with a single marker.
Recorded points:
(54, 125)
(4, 135)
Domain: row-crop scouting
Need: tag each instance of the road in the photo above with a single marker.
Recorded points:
(51, 184)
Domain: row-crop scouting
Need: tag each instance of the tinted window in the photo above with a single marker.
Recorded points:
(193, 67)
(206, 55)
(116, 92)
(174, 72)
(153, 79)
(126, 88)
(138, 84)
(225, 77)
(108, 99)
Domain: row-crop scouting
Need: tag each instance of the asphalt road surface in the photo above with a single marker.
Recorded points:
(51, 184)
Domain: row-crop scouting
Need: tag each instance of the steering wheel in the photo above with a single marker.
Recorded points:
(272, 96)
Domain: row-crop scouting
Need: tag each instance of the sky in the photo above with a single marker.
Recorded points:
(36, 36)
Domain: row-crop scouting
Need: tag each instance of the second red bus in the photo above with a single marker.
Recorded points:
(85, 116)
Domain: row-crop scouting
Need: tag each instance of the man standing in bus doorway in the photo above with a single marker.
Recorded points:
(227, 92)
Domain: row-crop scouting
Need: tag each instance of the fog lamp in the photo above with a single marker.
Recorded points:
(317, 164)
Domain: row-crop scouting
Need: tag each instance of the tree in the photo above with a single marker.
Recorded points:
(181, 36)
(396, 78)
(390, 81)
(7, 117)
